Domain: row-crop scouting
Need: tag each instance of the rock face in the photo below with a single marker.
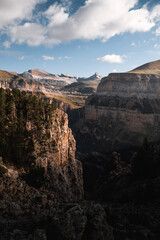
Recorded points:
(10, 80)
(85, 86)
(48, 78)
(144, 85)
(125, 109)
(40, 145)
(95, 77)
(64, 172)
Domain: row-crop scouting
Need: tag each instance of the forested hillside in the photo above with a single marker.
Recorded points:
(18, 111)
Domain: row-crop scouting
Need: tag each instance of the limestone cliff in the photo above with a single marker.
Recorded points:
(57, 156)
(63, 173)
(126, 108)
(36, 139)
(144, 85)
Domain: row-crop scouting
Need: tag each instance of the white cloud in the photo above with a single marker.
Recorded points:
(111, 59)
(158, 31)
(103, 19)
(95, 19)
(21, 58)
(114, 70)
(31, 33)
(56, 15)
(133, 44)
(6, 44)
(59, 58)
(156, 45)
(67, 57)
(13, 10)
(46, 58)
(155, 13)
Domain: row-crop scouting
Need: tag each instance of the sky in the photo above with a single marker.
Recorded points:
(78, 37)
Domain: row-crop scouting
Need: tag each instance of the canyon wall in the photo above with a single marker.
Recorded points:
(130, 83)
(125, 109)
(57, 156)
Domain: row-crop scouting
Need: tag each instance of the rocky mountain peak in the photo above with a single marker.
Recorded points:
(94, 77)
(38, 72)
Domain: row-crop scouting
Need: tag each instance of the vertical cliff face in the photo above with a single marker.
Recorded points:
(35, 136)
(126, 108)
(57, 156)
(63, 179)
(130, 83)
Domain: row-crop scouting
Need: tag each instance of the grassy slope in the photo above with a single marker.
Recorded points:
(5, 75)
(148, 68)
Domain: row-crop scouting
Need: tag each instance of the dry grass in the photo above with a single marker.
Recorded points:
(74, 101)
(5, 75)
(148, 68)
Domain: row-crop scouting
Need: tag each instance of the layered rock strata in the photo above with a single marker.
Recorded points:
(126, 108)
(10, 80)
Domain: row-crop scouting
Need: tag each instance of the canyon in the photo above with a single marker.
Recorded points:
(117, 157)
(125, 109)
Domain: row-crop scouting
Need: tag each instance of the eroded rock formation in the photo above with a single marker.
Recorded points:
(125, 109)
(10, 80)
(57, 156)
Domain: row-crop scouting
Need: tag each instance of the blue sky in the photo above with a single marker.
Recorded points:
(78, 37)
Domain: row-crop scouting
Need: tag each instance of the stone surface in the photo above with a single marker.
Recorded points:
(8, 80)
(125, 109)
(64, 172)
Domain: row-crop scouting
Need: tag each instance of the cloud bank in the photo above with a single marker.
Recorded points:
(97, 19)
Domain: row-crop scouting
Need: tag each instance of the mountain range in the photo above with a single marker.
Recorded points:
(70, 90)
(41, 75)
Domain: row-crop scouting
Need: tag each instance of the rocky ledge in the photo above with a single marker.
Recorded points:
(126, 107)
(128, 84)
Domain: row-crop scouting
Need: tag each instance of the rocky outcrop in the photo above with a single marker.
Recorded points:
(85, 86)
(127, 106)
(95, 77)
(48, 78)
(57, 156)
(9, 80)
(40, 142)
(46, 220)
(132, 212)
(130, 84)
